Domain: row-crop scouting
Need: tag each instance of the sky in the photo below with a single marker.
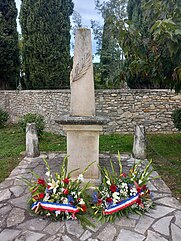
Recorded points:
(86, 8)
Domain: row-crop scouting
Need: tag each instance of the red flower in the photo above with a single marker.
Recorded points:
(113, 188)
(39, 196)
(84, 208)
(144, 187)
(41, 182)
(138, 201)
(66, 181)
(123, 174)
(138, 189)
(99, 201)
(109, 200)
(65, 191)
(49, 187)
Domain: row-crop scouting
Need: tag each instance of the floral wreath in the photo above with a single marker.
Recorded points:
(62, 198)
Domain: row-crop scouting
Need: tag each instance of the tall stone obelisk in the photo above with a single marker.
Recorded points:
(82, 126)
(81, 77)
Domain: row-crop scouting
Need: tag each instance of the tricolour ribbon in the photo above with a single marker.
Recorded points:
(55, 207)
(126, 203)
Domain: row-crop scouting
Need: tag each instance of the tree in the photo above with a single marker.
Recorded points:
(108, 46)
(46, 43)
(150, 41)
(9, 53)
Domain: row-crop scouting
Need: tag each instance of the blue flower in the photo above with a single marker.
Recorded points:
(70, 199)
(95, 197)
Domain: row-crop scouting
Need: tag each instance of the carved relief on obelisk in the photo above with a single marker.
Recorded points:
(81, 77)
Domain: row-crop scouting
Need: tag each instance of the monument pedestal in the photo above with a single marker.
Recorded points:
(83, 149)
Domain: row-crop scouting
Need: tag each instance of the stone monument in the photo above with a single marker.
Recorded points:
(32, 146)
(82, 125)
(139, 145)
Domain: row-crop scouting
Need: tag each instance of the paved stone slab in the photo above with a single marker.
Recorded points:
(5, 209)
(21, 202)
(9, 234)
(97, 225)
(66, 238)
(6, 183)
(152, 236)
(143, 224)
(17, 190)
(29, 236)
(33, 224)
(54, 227)
(74, 228)
(162, 225)
(160, 211)
(169, 201)
(126, 235)
(178, 218)
(87, 234)
(161, 186)
(176, 232)
(4, 195)
(15, 217)
(108, 233)
(126, 222)
(160, 195)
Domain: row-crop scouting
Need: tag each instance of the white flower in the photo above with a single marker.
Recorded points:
(139, 182)
(80, 177)
(115, 197)
(57, 213)
(53, 185)
(81, 201)
(47, 173)
(74, 194)
(47, 196)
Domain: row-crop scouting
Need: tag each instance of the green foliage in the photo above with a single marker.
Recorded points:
(176, 116)
(3, 117)
(9, 53)
(33, 118)
(108, 46)
(150, 40)
(46, 43)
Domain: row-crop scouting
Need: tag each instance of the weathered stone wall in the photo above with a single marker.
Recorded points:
(125, 108)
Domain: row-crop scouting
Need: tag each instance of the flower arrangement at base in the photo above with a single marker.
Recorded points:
(120, 193)
(59, 197)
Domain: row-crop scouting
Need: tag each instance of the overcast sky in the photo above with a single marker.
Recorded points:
(86, 8)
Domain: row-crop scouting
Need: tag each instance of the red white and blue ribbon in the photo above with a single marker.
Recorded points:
(126, 203)
(55, 207)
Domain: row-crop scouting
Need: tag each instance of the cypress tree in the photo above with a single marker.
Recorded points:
(9, 53)
(46, 43)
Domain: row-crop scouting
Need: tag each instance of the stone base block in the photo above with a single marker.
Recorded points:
(83, 149)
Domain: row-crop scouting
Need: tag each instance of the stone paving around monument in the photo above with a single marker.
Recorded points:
(17, 224)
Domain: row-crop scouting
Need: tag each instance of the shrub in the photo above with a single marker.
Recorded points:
(3, 117)
(33, 118)
(176, 116)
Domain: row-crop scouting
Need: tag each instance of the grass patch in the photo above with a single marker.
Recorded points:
(115, 142)
(164, 149)
(12, 144)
